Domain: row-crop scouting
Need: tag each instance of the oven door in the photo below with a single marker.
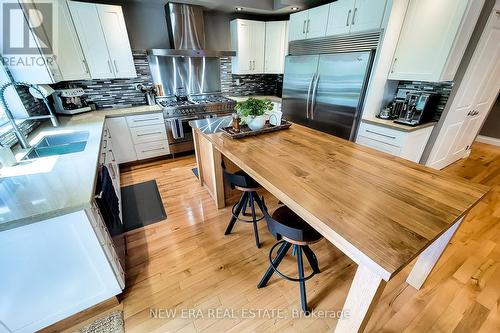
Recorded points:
(184, 143)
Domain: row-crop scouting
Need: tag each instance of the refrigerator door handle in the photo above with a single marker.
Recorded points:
(309, 95)
(313, 99)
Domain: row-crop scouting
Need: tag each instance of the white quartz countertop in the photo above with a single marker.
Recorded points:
(396, 126)
(39, 189)
(244, 98)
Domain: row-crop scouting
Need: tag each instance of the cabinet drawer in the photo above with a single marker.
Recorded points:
(148, 133)
(379, 145)
(152, 149)
(145, 119)
(382, 134)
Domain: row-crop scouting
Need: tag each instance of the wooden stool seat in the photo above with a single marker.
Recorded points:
(246, 189)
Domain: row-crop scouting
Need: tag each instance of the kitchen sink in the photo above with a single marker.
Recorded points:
(63, 139)
(59, 144)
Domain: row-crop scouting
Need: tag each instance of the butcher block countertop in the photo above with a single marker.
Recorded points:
(379, 209)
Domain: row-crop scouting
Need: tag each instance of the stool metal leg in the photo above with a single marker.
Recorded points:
(243, 200)
(311, 257)
(259, 202)
(244, 210)
(279, 257)
(302, 283)
(253, 195)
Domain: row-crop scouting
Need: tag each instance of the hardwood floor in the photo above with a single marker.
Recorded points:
(186, 262)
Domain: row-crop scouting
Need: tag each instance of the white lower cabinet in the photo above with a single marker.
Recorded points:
(407, 145)
(51, 270)
(122, 141)
(138, 137)
(152, 149)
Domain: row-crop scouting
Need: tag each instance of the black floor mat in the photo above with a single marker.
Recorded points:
(195, 171)
(141, 205)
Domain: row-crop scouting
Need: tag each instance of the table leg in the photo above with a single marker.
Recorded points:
(197, 156)
(365, 291)
(428, 259)
(218, 177)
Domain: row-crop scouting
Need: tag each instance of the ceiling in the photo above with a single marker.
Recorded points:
(265, 7)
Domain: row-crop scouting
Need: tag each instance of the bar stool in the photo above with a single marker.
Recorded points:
(290, 230)
(248, 186)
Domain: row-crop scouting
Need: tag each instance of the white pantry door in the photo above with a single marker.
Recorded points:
(474, 99)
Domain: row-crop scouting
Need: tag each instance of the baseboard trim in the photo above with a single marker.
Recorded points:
(488, 139)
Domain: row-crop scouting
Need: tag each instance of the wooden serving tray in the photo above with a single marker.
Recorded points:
(246, 131)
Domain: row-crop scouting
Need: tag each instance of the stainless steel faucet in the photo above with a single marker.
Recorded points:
(23, 140)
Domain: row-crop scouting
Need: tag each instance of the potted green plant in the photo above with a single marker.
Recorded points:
(253, 112)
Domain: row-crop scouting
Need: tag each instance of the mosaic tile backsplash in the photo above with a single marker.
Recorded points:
(122, 92)
(116, 92)
(442, 88)
(259, 84)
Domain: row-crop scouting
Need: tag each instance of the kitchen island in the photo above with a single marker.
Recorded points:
(379, 210)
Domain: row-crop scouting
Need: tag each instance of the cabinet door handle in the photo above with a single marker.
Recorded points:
(151, 133)
(304, 27)
(307, 29)
(354, 16)
(153, 149)
(385, 135)
(250, 65)
(144, 119)
(348, 16)
(110, 67)
(113, 155)
(112, 169)
(86, 66)
(393, 64)
(116, 64)
(254, 65)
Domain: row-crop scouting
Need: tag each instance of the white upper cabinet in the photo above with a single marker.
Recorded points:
(276, 47)
(248, 40)
(367, 15)
(311, 23)
(103, 35)
(115, 31)
(88, 26)
(297, 25)
(433, 39)
(350, 16)
(339, 21)
(64, 59)
(317, 21)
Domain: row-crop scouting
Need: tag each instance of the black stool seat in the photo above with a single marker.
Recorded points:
(249, 181)
(287, 217)
(291, 230)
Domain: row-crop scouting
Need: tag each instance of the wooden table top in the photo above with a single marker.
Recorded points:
(379, 209)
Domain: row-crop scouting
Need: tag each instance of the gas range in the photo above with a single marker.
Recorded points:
(196, 106)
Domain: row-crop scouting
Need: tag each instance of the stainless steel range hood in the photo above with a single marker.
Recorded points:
(186, 32)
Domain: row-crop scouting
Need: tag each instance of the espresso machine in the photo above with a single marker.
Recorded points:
(418, 108)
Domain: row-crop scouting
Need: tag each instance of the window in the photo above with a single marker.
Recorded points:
(3, 79)
(16, 106)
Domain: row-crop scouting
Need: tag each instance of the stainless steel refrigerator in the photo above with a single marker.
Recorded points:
(326, 91)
